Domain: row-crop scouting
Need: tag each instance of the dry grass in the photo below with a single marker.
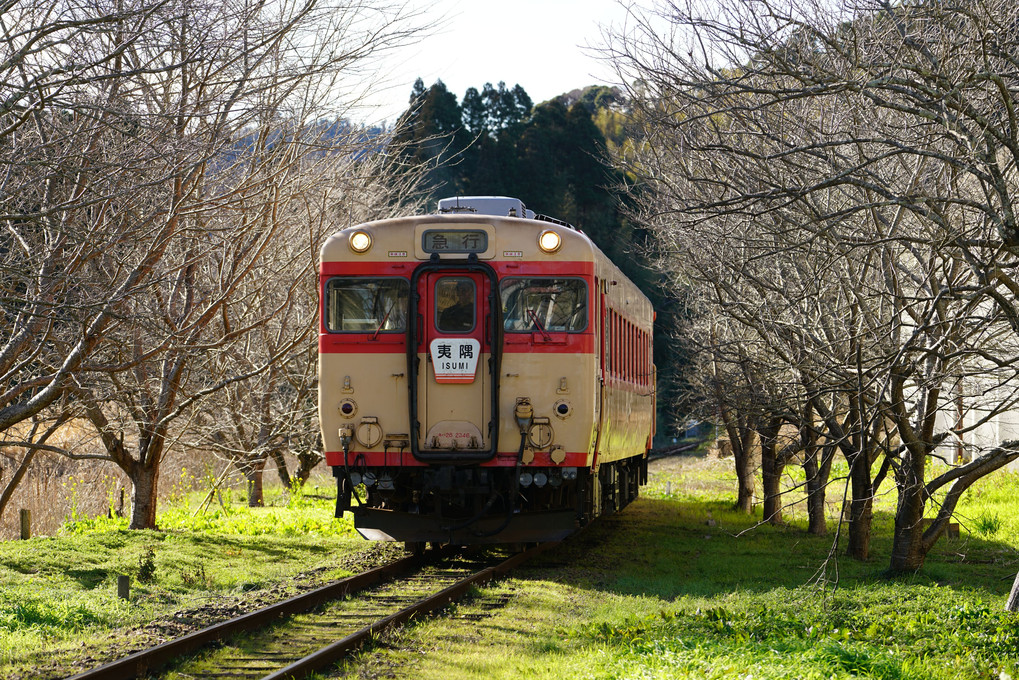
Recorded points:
(57, 488)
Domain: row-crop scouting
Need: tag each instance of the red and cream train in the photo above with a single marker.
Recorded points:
(485, 376)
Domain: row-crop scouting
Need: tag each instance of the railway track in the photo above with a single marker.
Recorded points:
(313, 631)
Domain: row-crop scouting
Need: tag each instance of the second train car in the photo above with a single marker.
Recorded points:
(485, 376)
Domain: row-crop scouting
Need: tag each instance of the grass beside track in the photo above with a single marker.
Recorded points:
(679, 586)
(58, 594)
(676, 586)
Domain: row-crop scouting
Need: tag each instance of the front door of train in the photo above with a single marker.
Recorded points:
(454, 384)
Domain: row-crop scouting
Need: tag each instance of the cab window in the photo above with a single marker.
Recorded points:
(549, 304)
(454, 304)
(366, 305)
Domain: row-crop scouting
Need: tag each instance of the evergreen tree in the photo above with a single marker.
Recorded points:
(417, 93)
(523, 102)
(475, 117)
(433, 135)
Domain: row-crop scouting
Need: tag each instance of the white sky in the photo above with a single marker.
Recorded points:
(541, 44)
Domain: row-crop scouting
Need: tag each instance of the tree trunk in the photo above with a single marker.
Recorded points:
(281, 468)
(1012, 604)
(306, 463)
(19, 474)
(742, 448)
(908, 552)
(302, 475)
(817, 472)
(252, 470)
(771, 478)
(860, 507)
(913, 536)
(772, 465)
(145, 482)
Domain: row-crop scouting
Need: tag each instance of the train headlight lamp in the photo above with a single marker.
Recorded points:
(550, 241)
(360, 241)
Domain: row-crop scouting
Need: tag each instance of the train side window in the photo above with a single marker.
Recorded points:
(615, 345)
(631, 352)
(366, 305)
(641, 359)
(534, 304)
(645, 364)
(628, 352)
(607, 330)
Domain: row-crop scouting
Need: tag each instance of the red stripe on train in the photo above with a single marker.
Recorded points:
(510, 268)
(357, 343)
(406, 459)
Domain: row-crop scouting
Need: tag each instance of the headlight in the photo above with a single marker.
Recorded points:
(360, 241)
(550, 241)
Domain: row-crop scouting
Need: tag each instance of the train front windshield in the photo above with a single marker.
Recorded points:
(366, 305)
(543, 304)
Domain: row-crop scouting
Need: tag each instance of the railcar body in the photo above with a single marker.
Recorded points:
(485, 376)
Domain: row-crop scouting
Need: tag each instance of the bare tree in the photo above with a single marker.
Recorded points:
(275, 411)
(67, 169)
(877, 143)
(154, 171)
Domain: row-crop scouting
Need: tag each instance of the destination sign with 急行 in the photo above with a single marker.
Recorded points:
(454, 241)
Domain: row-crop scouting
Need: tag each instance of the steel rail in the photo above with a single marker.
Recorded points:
(332, 653)
(147, 660)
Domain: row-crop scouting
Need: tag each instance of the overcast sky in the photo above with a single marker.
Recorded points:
(540, 44)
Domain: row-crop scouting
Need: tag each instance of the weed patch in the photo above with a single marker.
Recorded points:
(147, 566)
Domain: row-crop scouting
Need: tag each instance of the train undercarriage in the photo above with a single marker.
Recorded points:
(463, 505)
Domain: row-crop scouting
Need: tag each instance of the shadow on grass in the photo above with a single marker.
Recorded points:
(272, 546)
(89, 578)
(670, 548)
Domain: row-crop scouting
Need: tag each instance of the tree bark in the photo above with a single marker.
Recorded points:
(817, 472)
(772, 465)
(742, 453)
(861, 507)
(145, 482)
(908, 552)
(281, 468)
(252, 470)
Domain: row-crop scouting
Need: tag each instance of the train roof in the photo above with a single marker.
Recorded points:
(504, 226)
(500, 206)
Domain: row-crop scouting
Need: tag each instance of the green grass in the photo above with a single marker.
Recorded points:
(679, 586)
(676, 586)
(59, 594)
